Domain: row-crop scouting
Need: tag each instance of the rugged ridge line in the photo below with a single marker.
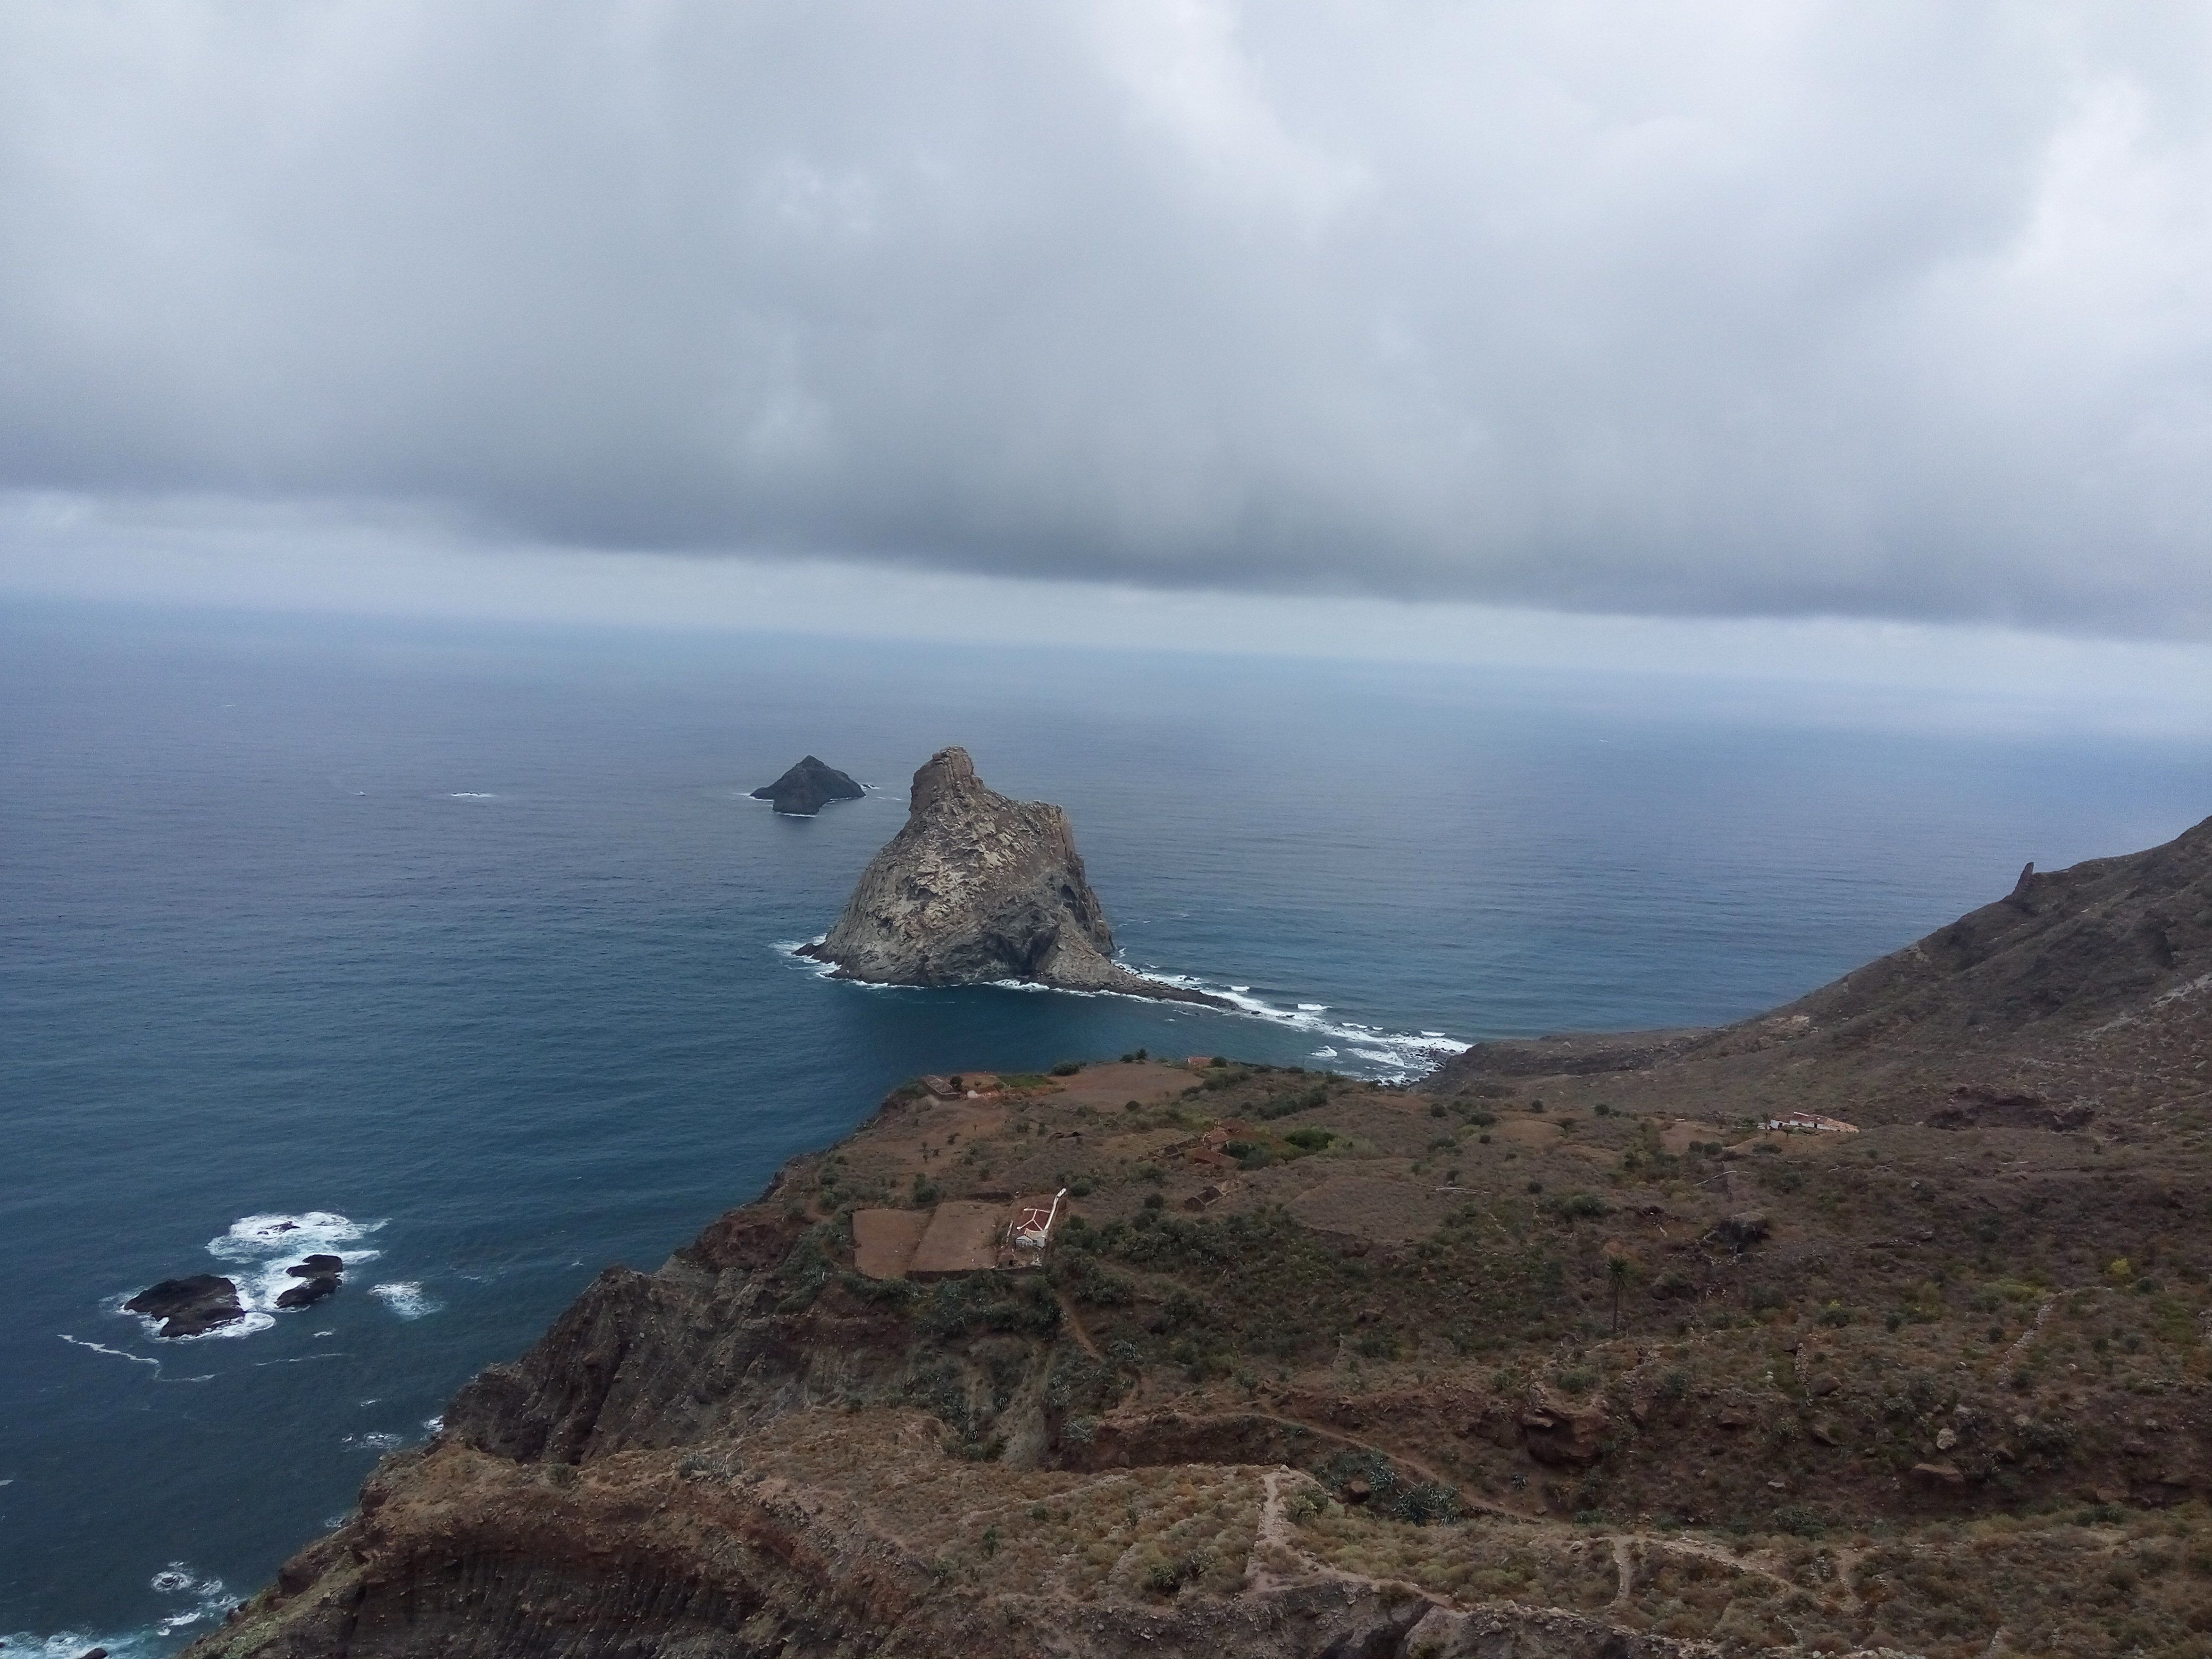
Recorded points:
(2102, 940)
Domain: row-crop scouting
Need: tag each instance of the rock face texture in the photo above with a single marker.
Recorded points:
(977, 888)
(807, 787)
(190, 1306)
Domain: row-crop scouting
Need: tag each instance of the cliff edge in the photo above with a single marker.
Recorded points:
(2112, 952)
(977, 888)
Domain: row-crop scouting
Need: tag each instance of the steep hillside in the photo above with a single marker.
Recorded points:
(1578, 1361)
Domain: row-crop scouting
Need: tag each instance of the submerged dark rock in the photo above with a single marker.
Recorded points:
(978, 887)
(807, 787)
(190, 1306)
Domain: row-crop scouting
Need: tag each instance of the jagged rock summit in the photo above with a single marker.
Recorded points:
(807, 787)
(977, 888)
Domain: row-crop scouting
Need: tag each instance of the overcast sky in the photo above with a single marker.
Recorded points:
(1758, 310)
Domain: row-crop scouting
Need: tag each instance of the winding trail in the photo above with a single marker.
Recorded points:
(1076, 1326)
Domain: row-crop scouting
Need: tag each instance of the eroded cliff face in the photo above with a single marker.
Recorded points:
(749, 1453)
(977, 888)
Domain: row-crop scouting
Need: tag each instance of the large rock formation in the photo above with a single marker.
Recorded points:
(978, 887)
(807, 787)
(190, 1306)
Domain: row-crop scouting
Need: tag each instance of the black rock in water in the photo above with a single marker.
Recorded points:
(316, 1267)
(308, 1291)
(801, 792)
(190, 1306)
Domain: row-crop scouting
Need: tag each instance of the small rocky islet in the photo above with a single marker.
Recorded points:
(196, 1304)
(318, 1277)
(190, 1305)
(807, 787)
(977, 888)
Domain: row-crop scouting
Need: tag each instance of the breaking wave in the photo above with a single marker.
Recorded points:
(195, 1601)
(1383, 1056)
(406, 1298)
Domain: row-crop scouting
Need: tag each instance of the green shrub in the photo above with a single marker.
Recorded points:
(1066, 1068)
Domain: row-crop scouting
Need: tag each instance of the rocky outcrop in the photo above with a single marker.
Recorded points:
(978, 887)
(190, 1306)
(308, 1291)
(807, 787)
(319, 1278)
(1558, 1430)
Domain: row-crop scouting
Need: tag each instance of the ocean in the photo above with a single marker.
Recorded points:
(463, 954)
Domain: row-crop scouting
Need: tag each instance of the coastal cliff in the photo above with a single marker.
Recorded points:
(976, 887)
(1588, 1363)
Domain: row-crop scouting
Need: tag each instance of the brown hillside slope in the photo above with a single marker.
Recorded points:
(2095, 976)
(1568, 1361)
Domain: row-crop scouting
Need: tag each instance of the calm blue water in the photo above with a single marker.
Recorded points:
(470, 941)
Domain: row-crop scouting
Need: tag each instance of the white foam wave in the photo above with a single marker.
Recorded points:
(264, 1247)
(117, 1353)
(209, 1600)
(382, 1443)
(405, 1299)
(436, 1424)
(1396, 1055)
(69, 1644)
(200, 1601)
(470, 794)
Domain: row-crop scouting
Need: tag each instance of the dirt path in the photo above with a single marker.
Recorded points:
(2012, 1355)
(1624, 1571)
(1075, 1325)
(1425, 1471)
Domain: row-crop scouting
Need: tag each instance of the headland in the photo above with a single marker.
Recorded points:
(1872, 1325)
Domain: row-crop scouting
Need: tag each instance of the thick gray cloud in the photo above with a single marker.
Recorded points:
(1750, 307)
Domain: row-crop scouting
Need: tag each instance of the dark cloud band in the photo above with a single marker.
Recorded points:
(1737, 309)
